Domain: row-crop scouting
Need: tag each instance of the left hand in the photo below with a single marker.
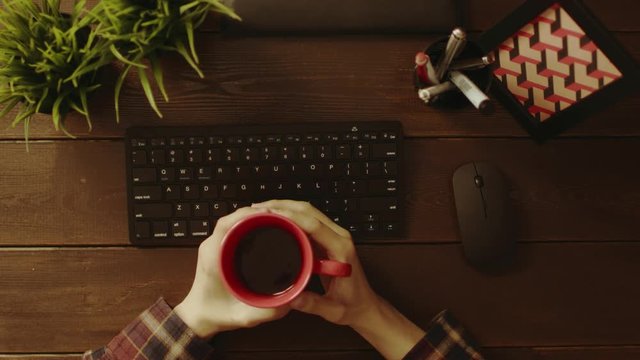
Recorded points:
(209, 308)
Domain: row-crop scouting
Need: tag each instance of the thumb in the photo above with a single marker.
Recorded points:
(312, 303)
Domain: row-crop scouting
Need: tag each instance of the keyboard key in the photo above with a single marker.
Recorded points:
(199, 227)
(215, 140)
(379, 203)
(383, 151)
(388, 135)
(268, 153)
(383, 186)
(222, 173)
(353, 228)
(185, 174)
(288, 153)
(167, 174)
(171, 192)
(390, 227)
(147, 193)
(160, 229)
(177, 141)
(357, 187)
(151, 211)
(241, 172)
(212, 156)
(245, 191)
(194, 156)
(238, 140)
(204, 173)
(279, 171)
(179, 229)
(390, 167)
(142, 229)
(200, 210)
(219, 208)
(371, 227)
(231, 155)
(143, 175)
(190, 192)
(338, 187)
(324, 152)
(175, 156)
(249, 154)
(158, 157)
(182, 210)
(209, 191)
(343, 152)
(158, 142)
(335, 169)
(138, 143)
(370, 217)
(306, 152)
(362, 151)
(372, 168)
(353, 169)
(139, 157)
(228, 191)
(235, 205)
(195, 141)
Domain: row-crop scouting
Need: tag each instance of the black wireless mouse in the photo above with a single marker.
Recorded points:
(484, 214)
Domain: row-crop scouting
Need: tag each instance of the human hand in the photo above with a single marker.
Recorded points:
(209, 308)
(347, 300)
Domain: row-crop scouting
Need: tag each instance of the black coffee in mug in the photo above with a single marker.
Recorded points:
(268, 260)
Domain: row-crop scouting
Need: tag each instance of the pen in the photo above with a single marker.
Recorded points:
(455, 45)
(479, 99)
(473, 64)
(430, 93)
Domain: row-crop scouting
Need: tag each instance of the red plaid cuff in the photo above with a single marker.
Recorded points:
(445, 340)
(157, 333)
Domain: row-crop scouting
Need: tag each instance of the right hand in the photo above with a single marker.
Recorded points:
(347, 300)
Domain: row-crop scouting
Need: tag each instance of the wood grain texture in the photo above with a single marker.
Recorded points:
(549, 353)
(298, 79)
(615, 15)
(73, 193)
(555, 295)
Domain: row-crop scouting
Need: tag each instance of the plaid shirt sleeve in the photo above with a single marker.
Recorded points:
(445, 340)
(158, 333)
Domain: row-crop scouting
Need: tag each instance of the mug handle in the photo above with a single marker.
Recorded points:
(331, 268)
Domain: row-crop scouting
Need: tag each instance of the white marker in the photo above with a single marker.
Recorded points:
(430, 93)
(479, 99)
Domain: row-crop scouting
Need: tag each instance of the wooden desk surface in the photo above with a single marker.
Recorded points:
(69, 280)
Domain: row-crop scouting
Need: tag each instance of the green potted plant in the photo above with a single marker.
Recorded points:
(141, 30)
(48, 61)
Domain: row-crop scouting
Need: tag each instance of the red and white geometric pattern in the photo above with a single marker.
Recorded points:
(550, 64)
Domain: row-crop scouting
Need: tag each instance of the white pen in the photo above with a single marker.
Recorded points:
(430, 93)
(478, 98)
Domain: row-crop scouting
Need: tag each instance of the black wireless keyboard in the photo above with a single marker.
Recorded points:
(182, 179)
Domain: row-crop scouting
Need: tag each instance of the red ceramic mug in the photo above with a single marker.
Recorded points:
(309, 263)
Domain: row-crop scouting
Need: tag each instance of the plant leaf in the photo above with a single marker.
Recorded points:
(157, 74)
(118, 87)
(182, 51)
(144, 81)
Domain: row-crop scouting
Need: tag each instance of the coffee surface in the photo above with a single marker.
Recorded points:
(268, 260)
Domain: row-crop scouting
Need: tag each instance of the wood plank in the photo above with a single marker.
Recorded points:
(615, 15)
(73, 193)
(296, 79)
(553, 353)
(556, 295)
